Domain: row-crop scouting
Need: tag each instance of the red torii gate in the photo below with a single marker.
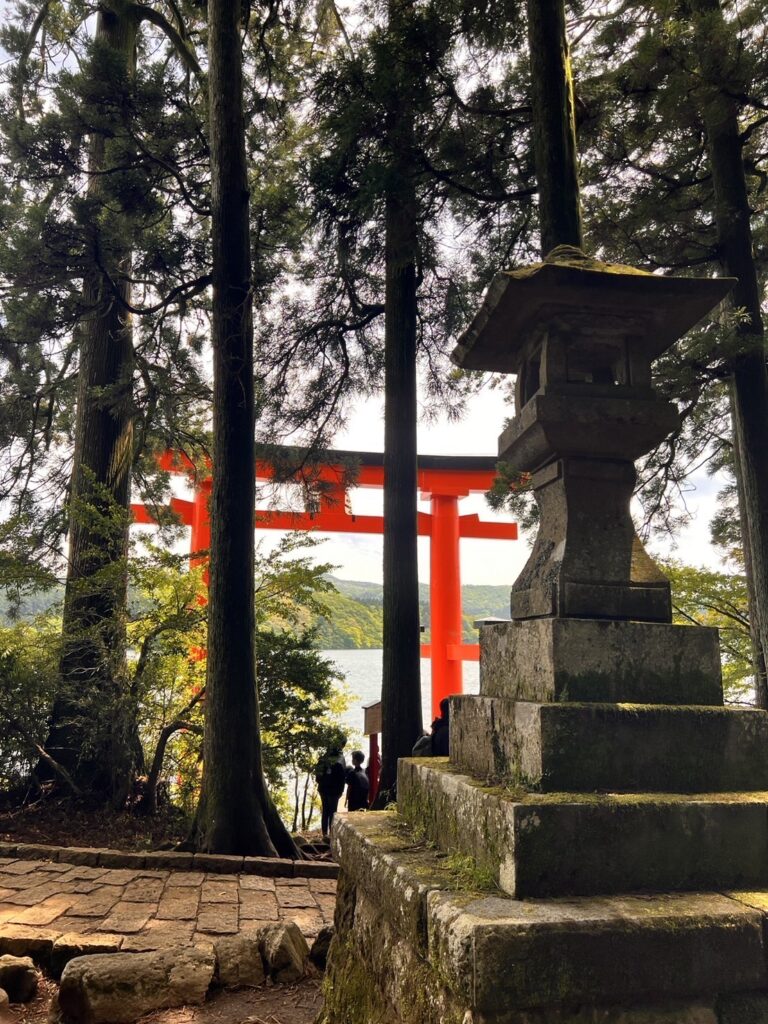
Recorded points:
(442, 480)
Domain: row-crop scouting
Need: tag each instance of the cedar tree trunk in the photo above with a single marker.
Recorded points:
(749, 380)
(93, 732)
(235, 814)
(401, 681)
(554, 130)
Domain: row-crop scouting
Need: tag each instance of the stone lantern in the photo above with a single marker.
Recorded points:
(581, 336)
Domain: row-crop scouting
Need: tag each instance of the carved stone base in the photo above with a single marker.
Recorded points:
(594, 660)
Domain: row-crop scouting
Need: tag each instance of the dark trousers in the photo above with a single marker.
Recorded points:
(329, 805)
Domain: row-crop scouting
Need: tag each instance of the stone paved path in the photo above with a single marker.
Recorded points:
(149, 909)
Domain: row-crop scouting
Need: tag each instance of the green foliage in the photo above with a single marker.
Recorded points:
(467, 876)
(300, 696)
(706, 597)
(28, 666)
(348, 623)
(300, 704)
(166, 641)
(67, 97)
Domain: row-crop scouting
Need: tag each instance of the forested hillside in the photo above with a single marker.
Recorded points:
(355, 613)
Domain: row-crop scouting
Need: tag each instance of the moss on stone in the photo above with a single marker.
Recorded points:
(349, 990)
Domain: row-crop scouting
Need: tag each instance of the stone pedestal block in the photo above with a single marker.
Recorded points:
(600, 660)
(618, 748)
(558, 844)
(467, 956)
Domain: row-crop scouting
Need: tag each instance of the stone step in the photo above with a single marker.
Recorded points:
(499, 956)
(563, 844)
(625, 748)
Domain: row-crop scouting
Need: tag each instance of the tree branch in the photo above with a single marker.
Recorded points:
(183, 49)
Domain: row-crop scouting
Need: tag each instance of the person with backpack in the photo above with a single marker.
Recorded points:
(436, 743)
(330, 775)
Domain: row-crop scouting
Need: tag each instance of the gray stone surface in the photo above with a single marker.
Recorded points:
(238, 961)
(18, 977)
(743, 1009)
(284, 951)
(119, 988)
(585, 411)
(488, 959)
(587, 560)
(21, 940)
(608, 747)
(506, 953)
(372, 850)
(68, 947)
(539, 844)
(598, 660)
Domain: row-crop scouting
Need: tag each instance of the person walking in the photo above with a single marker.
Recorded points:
(330, 775)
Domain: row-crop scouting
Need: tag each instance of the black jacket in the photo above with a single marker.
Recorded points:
(330, 774)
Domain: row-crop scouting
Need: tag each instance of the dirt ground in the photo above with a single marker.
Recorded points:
(63, 823)
(272, 1004)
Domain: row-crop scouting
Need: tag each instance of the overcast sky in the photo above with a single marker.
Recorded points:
(359, 556)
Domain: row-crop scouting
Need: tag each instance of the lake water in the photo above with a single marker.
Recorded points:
(362, 671)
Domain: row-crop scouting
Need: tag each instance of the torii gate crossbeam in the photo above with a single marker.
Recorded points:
(442, 480)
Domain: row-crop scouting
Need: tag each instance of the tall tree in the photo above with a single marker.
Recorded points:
(673, 123)
(102, 754)
(402, 134)
(67, 128)
(401, 722)
(235, 814)
(722, 81)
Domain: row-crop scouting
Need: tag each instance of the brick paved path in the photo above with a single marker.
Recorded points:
(148, 909)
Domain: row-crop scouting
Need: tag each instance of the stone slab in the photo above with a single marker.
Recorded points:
(22, 940)
(121, 859)
(121, 987)
(622, 748)
(126, 918)
(374, 853)
(67, 947)
(220, 863)
(546, 660)
(20, 867)
(169, 859)
(315, 869)
(539, 844)
(270, 867)
(36, 851)
(84, 856)
(218, 918)
(539, 953)
(499, 959)
(222, 890)
(258, 906)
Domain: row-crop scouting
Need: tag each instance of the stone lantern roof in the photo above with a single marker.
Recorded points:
(574, 291)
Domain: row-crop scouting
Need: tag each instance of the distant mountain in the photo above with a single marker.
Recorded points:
(354, 617)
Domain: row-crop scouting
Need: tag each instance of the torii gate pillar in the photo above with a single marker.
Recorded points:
(445, 599)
